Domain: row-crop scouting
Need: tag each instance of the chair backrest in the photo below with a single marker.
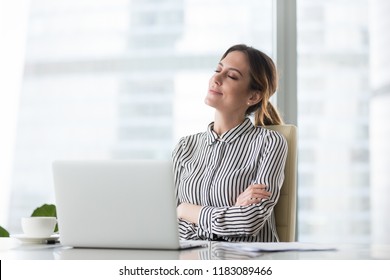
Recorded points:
(285, 209)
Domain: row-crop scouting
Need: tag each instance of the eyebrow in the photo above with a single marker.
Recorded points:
(231, 68)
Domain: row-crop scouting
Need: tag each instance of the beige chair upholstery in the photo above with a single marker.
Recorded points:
(285, 209)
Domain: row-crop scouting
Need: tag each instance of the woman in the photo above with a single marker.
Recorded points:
(228, 178)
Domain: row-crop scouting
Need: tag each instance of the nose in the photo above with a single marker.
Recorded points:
(217, 79)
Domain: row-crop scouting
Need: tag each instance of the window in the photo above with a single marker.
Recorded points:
(126, 79)
(333, 101)
(119, 79)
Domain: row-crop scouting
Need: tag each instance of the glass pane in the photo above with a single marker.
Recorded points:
(119, 79)
(333, 117)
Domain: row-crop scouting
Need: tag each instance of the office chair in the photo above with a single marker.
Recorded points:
(285, 209)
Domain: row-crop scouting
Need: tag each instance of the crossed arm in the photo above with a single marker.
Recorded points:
(252, 195)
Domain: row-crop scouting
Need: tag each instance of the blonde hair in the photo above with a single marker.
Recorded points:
(263, 78)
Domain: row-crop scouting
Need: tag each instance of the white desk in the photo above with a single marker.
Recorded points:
(14, 250)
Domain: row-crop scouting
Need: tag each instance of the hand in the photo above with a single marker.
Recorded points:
(252, 195)
(188, 212)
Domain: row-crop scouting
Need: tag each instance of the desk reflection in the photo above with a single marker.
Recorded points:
(68, 253)
(11, 249)
(211, 252)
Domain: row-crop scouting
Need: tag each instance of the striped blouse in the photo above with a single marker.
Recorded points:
(212, 171)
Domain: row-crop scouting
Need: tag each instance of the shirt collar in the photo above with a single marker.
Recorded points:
(230, 135)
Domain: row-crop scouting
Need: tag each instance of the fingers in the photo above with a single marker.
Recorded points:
(252, 195)
(258, 190)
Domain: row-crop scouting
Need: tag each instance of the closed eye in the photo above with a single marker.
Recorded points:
(229, 76)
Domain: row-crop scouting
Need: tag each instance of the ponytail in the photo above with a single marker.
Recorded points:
(267, 116)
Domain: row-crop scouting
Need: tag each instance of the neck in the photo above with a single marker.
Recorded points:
(223, 123)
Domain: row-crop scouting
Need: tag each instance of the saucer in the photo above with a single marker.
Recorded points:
(30, 239)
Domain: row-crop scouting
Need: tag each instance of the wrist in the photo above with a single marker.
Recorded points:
(179, 210)
(189, 212)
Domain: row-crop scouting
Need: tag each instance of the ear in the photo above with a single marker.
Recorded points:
(254, 97)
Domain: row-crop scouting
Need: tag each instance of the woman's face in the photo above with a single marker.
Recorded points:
(229, 86)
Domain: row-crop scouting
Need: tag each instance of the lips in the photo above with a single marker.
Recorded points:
(212, 91)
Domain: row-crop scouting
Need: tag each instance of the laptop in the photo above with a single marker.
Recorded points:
(117, 204)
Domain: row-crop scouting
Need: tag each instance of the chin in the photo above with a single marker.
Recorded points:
(208, 102)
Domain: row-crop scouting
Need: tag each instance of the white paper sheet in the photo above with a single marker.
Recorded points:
(274, 247)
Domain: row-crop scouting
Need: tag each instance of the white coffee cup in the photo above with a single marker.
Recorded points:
(38, 226)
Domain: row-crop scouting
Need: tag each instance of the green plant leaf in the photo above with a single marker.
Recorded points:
(3, 232)
(46, 210)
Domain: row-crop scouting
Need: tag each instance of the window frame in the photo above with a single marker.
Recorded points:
(285, 40)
